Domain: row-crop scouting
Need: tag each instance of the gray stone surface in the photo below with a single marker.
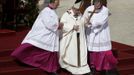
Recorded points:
(122, 21)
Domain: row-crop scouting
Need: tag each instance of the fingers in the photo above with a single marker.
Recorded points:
(60, 26)
(76, 27)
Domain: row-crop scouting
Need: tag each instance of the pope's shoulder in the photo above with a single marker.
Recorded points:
(68, 12)
(90, 7)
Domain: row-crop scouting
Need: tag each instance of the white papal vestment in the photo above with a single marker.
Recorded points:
(69, 58)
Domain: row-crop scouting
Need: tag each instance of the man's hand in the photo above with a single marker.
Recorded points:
(88, 24)
(60, 26)
(76, 27)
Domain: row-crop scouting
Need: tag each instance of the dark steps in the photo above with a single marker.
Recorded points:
(126, 69)
(130, 51)
(9, 66)
(17, 70)
(5, 52)
(121, 47)
(6, 32)
(22, 69)
(125, 58)
(7, 62)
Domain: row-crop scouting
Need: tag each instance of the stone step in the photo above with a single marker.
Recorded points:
(5, 52)
(121, 47)
(13, 68)
(26, 70)
(130, 51)
(126, 69)
(17, 70)
(6, 32)
(11, 42)
(125, 58)
(10, 66)
(7, 61)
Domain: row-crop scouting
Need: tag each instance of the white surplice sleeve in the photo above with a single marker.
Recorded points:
(67, 25)
(49, 20)
(97, 24)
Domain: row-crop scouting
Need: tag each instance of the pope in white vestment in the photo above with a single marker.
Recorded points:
(73, 48)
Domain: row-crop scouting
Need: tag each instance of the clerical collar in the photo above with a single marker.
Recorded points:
(50, 6)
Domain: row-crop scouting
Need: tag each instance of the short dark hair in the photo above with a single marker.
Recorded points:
(52, 1)
(96, 1)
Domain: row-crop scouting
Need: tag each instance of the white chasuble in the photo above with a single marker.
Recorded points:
(70, 58)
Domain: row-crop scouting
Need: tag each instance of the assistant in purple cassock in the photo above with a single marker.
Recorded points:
(41, 45)
(98, 40)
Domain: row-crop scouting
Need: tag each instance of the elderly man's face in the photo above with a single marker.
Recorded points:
(76, 11)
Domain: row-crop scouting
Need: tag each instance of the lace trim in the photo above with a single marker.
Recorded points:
(100, 44)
